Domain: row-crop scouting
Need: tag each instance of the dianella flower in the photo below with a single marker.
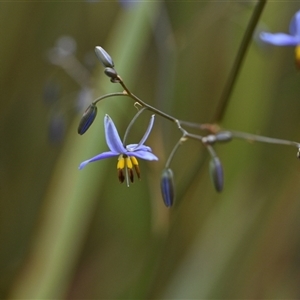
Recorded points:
(127, 155)
(284, 39)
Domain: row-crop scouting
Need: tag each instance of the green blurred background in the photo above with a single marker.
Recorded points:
(70, 234)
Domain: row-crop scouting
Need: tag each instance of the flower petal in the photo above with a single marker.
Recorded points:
(295, 25)
(113, 140)
(135, 147)
(144, 138)
(97, 157)
(279, 39)
(143, 155)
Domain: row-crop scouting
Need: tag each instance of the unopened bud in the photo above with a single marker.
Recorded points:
(216, 173)
(298, 154)
(87, 119)
(224, 136)
(167, 187)
(104, 57)
(110, 72)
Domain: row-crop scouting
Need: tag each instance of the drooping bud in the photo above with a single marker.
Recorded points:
(110, 72)
(216, 173)
(87, 119)
(104, 57)
(224, 136)
(167, 187)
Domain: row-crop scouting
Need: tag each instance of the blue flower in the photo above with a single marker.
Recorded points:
(127, 155)
(283, 39)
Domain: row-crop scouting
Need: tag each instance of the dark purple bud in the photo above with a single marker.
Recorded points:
(87, 119)
(167, 187)
(216, 173)
(104, 57)
(224, 136)
(110, 72)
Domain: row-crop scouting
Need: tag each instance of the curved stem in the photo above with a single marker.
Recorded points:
(109, 95)
(131, 123)
(179, 143)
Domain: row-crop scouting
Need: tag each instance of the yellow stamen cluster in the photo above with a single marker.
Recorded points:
(297, 56)
(127, 163)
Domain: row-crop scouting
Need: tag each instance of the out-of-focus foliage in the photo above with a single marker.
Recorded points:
(68, 234)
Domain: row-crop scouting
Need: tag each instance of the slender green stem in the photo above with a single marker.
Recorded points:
(211, 151)
(237, 65)
(109, 95)
(194, 136)
(179, 143)
(212, 128)
(144, 104)
(264, 139)
(131, 123)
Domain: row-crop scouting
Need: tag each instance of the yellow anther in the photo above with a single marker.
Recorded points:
(297, 56)
(128, 163)
(121, 163)
(134, 161)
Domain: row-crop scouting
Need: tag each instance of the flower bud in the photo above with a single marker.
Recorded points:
(216, 173)
(87, 119)
(167, 187)
(224, 136)
(110, 72)
(104, 57)
(298, 154)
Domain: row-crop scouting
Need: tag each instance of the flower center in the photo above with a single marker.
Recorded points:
(128, 163)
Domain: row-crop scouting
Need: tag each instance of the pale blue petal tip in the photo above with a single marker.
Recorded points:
(279, 39)
(82, 165)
